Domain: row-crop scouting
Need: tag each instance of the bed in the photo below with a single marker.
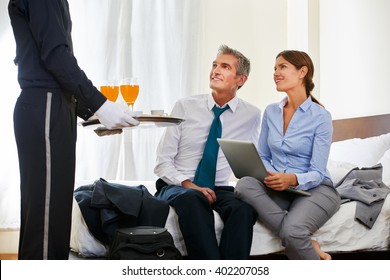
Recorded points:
(357, 142)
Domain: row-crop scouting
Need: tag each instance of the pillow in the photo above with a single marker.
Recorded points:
(338, 169)
(385, 160)
(361, 152)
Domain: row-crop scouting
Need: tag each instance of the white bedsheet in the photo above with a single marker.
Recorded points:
(341, 233)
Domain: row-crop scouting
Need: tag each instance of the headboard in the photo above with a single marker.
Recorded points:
(361, 127)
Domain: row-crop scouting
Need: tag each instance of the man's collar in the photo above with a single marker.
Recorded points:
(232, 103)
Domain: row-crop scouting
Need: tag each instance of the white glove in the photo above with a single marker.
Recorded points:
(115, 115)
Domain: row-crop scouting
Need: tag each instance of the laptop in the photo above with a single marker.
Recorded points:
(245, 160)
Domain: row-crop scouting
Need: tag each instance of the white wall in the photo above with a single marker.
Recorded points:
(355, 57)
(347, 40)
(257, 28)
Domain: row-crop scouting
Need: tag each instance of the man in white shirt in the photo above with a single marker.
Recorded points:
(181, 149)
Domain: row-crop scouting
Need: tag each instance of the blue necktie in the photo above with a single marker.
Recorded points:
(205, 173)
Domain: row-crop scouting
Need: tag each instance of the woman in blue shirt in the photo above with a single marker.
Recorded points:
(294, 144)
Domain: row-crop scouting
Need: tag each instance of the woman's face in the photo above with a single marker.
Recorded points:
(286, 76)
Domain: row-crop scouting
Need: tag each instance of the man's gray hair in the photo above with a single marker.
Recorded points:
(243, 65)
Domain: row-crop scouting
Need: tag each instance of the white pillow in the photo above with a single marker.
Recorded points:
(385, 160)
(361, 152)
(338, 169)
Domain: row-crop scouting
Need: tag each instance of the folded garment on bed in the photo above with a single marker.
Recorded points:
(107, 206)
(365, 186)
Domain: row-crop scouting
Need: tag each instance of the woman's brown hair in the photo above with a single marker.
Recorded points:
(300, 59)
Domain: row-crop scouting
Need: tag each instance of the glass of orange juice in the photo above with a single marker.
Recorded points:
(129, 89)
(110, 90)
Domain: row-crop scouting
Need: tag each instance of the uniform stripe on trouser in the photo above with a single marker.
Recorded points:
(48, 177)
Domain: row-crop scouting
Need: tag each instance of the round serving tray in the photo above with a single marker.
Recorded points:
(145, 121)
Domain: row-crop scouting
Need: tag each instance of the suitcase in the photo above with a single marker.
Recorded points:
(143, 243)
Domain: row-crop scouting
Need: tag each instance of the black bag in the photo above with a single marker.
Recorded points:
(143, 243)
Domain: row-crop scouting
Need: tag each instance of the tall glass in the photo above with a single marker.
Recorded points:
(110, 90)
(129, 89)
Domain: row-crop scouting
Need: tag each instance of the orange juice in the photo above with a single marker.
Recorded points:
(110, 92)
(129, 93)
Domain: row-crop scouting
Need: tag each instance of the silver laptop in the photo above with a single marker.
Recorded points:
(245, 160)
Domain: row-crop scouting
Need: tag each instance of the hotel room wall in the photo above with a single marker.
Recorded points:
(257, 28)
(355, 58)
(347, 40)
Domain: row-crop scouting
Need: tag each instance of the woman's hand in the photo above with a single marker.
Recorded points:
(280, 181)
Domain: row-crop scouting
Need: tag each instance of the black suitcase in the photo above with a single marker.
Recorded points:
(143, 243)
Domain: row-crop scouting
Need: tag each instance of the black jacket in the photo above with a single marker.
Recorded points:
(107, 206)
(44, 52)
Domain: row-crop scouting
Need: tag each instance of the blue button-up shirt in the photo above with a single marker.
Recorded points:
(304, 148)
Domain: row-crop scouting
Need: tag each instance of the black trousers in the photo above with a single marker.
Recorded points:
(196, 221)
(45, 132)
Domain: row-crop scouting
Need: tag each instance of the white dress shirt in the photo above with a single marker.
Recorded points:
(181, 147)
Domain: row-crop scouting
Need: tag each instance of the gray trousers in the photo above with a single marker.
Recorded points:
(294, 218)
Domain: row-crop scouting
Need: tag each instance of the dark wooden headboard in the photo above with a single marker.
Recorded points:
(361, 127)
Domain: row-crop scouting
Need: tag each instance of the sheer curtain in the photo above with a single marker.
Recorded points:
(159, 41)
(9, 169)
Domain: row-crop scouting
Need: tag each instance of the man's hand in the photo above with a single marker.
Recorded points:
(207, 192)
(114, 115)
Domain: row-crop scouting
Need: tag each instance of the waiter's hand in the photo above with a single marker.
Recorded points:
(114, 115)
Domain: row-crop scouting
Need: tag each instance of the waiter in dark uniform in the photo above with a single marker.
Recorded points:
(54, 90)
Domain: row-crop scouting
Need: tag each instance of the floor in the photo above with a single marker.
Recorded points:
(72, 256)
(8, 256)
(385, 255)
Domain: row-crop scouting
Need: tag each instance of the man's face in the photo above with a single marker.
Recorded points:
(223, 77)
